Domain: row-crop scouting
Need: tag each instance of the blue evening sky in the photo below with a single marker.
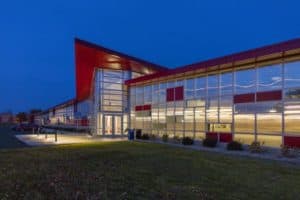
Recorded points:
(37, 50)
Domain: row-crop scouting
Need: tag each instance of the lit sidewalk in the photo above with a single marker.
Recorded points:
(42, 139)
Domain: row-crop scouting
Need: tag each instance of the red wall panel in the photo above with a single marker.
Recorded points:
(291, 141)
(269, 96)
(244, 98)
(143, 107)
(147, 107)
(179, 94)
(225, 137)
(212, 135)
(170, 94)
(138, 108)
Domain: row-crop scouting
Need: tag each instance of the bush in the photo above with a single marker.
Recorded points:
(235, 146)
(152, 136)
(145, 136)
(289, 152)
(257, 147)
(138, 134)
(210, 142)
(165, 138)
(187, 141)
(176, 139)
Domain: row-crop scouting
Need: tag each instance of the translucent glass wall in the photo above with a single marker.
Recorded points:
(209, 106)
(110, 96)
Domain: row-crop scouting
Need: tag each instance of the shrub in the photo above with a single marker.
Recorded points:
(176, 139)
(152, 136)
(145, 136)
(289, 152)
(138, 134)
(257, 147)
(187, 141)
(235, 146)
(165, 138)
(210, 142)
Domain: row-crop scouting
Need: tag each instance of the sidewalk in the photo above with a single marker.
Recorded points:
(49, 139)
(270, 154)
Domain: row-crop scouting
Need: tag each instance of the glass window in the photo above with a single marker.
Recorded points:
(269, 78)
(189, 89)
(200, 90)
(171, 84)
(162, 92)
(112, 79)
(244, 108)
(212, 85)
(291, 122)
(189, 119)
(244, 123)
(292, 74)
(292, 107)
(148, 95)
(269, 123)
(200, 119)
(292, 117)
(212, 109)
(112, 86)
(155, 94)
(270, 140)
(195, 103)
(225, 109)
(113, 74)
(179, 83)
(179, 125)
(245, 81)
(139, 96)
(226, 83)
(269, 107)
(292, 93)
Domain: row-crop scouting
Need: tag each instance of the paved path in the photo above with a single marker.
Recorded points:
(49, 139)
(8, 139)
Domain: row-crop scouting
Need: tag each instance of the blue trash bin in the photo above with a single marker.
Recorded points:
(130, 134)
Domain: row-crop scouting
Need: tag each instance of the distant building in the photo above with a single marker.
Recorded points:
(6, 117)
(249, 96)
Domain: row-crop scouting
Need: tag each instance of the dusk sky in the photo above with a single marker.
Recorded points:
(37, 38)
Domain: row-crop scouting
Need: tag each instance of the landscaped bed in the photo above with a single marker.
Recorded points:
(127, 170)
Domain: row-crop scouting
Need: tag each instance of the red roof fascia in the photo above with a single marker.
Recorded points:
(262, 51)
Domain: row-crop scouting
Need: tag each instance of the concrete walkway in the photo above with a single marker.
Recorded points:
(49, 139)
(269, 154)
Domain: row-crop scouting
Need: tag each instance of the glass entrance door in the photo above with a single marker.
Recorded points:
(117, 125)
(108, 125)
(112, 125)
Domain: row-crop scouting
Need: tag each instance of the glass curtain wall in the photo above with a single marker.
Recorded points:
(208, 104)
(111, 100)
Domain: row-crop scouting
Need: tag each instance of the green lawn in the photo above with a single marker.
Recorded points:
(126, 170)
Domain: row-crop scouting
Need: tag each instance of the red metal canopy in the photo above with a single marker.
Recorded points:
(89, 56)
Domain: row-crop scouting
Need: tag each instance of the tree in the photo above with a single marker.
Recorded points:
(21, 117)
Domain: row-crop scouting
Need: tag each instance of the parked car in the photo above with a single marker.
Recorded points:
(25, 127)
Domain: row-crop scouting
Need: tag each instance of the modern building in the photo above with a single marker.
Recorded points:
(247, 96)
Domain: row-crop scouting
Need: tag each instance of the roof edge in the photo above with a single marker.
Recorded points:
(250, 53)
(111, 51)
